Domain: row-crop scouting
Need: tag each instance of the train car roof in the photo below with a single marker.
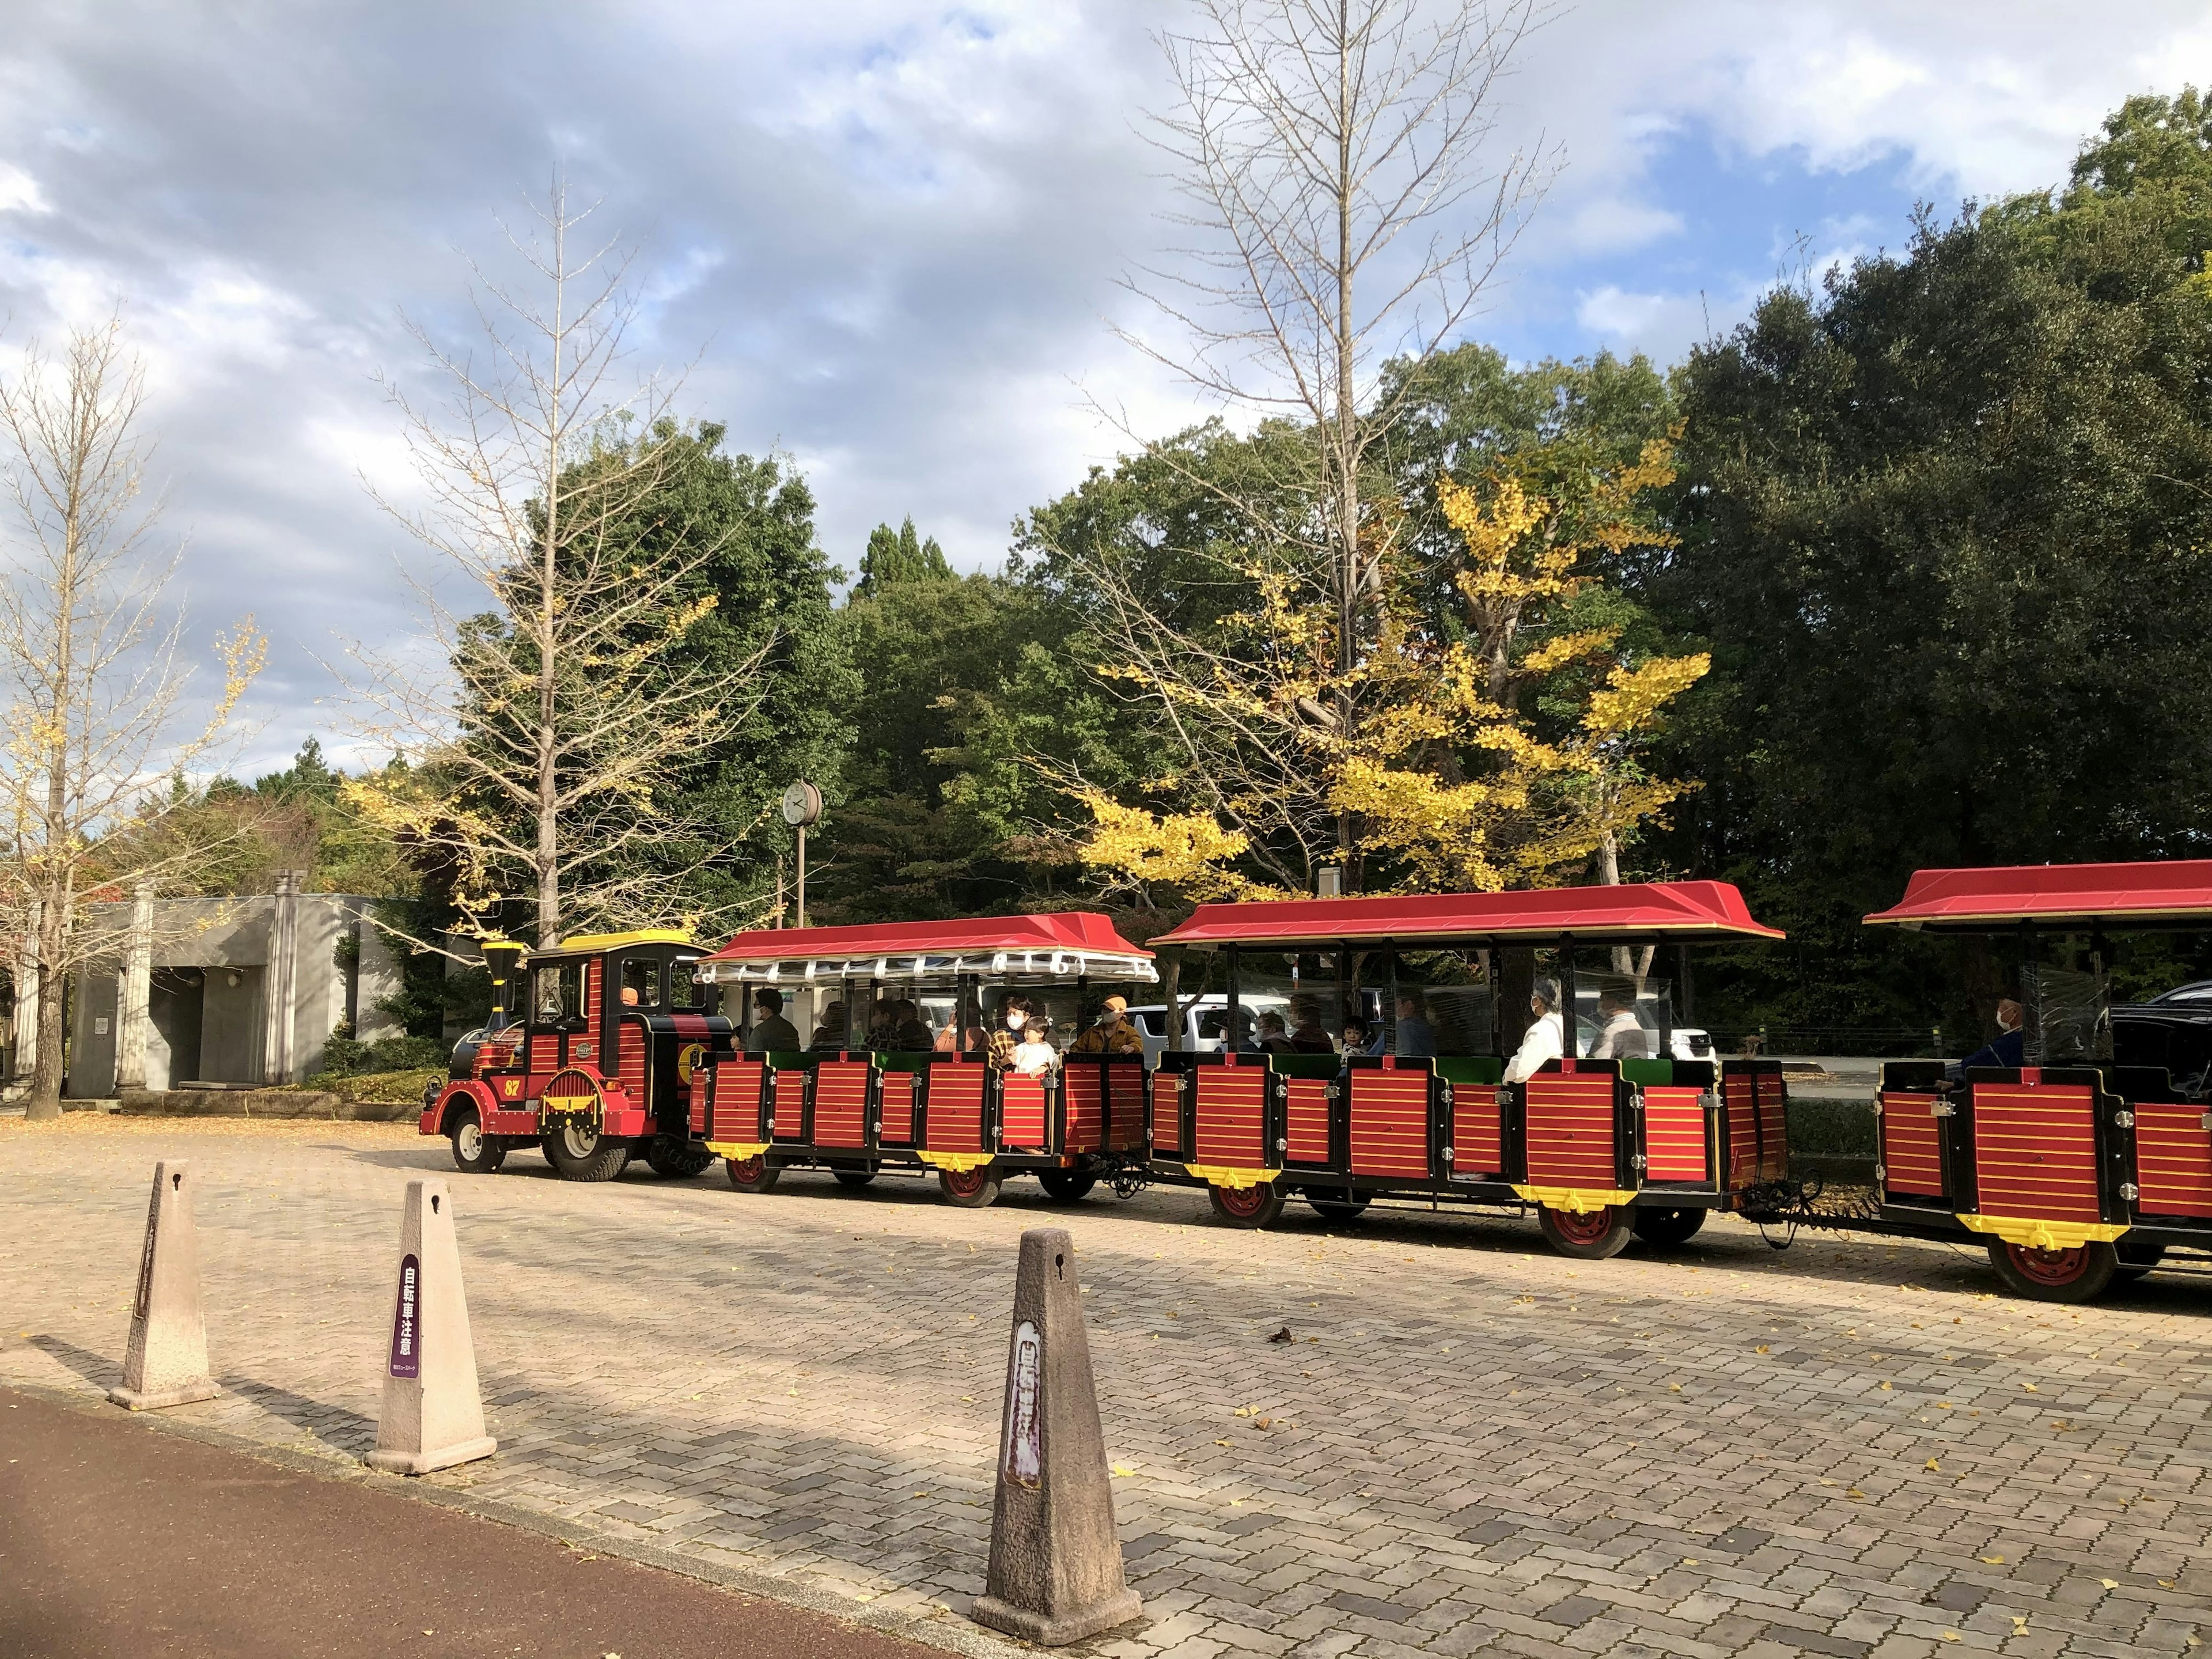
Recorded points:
(1064, 945)
(1684, 910)
(2168, 892)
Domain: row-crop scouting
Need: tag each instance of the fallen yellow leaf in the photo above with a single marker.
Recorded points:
(1932, 1464)
(1993, 1560)
(1762, 1348)
(1855, 1492)
(2031, 1388)
(1885, 1386)
(2110, 1583)
(1119, 1468)
(1950, 1636)
(1221, 1442)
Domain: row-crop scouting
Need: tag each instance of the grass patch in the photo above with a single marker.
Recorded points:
(377, 1088)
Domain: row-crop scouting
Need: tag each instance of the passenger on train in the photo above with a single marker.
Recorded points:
(2008, 1050)
(1619, 1034)
(770, 1029)
(1307, 1036)
(1014, 1014)
(1034, 1056)
(1113, 1033)
(1417, 1038)
(910, 1032)
(1273, 1039)
(1357, 1040)
(831, 1033)
(1541, 1042)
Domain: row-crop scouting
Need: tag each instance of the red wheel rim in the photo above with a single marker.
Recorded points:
(2049, 1266)
(1590, 1227)
(748, 1170)
(965, 1183)
(1243, 1202)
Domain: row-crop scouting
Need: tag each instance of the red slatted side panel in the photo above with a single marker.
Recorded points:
(1570, 1131)
(1230, 1098)
(1085, 1094)
(1307, 1111)
(633, 1058)
(1023, 1124)
(1740, 1095)
(1912, 1146)
(1389, 1123)
(841, 1102)
(544, 1054)
(2035, 1155)
(2173, 1160)
(1478, 1137)
(591, 992)
(1674, 1134)
(1167, 1115)
(1773, 1126)
(736, 1115)
(956, 1109)
(1125, 1086)
(787, 1105)
(696, 1096)
(898, 1109)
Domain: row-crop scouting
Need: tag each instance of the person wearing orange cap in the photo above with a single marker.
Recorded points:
(1113, 1033)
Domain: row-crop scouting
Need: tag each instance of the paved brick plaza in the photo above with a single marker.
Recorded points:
(1472, 1446)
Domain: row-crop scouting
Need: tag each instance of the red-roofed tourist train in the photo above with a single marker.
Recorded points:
(1350, 1051)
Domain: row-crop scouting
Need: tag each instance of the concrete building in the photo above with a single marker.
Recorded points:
(242, 992)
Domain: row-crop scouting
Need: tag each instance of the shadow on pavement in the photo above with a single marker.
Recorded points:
(340, 1430)
(97, 1369)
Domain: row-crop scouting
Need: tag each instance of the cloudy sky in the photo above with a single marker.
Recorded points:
(884, 233)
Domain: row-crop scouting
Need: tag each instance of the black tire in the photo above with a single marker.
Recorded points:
(679, 1160)
(2137, 1258)
(2065, 1276)
(1066, 1186)
(752, 1174)
(475, 1152)
(1342, 1205)
(584, 1154)
(1252, 1208)
(855, 1178)
(1665, 1228)
(1592, 1236)
(971, 1189)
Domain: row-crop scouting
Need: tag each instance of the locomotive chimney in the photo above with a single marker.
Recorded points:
(504, 958)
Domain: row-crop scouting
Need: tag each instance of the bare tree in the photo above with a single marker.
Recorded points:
(1336, 160)
(92, 662)
(546, 733)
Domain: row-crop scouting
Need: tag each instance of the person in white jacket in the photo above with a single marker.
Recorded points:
(1542, 1041)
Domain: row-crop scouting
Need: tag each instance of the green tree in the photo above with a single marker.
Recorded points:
(896, 557)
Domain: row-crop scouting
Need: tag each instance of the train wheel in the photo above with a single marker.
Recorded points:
(475, 1151)
(2136, 1259)
(579, 1153)
(679, 1160)
(853, 1177)
(1665, 1228)
(1343, 1204)
(1251, 1207)
(752, 1174)
(1066, 1186)
(971, 1189)
(1592, 1236)
(2079, 1274)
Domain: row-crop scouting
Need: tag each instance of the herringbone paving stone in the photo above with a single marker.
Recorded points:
(1469, 1445)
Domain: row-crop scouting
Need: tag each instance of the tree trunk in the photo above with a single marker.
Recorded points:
(45, 1103)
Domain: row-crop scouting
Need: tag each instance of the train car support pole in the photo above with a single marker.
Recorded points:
(1235, 1011)
(165, 1364)
(1056, 1573)
(1570, 1045)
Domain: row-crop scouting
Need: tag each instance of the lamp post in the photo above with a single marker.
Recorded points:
(802, 805)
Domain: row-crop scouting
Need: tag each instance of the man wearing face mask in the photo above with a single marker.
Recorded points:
(1542, 1041)
(1014, 1017)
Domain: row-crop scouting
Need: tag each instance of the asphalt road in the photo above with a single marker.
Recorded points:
(117, 1537)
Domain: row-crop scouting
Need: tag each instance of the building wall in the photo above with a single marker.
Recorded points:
(233, 1023)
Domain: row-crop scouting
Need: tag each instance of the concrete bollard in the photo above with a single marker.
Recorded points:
(433, 1412)
(1056, 1573)
(166, 1363)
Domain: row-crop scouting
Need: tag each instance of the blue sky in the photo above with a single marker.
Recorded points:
(883, 235)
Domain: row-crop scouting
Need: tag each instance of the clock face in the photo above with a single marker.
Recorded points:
(802, 803)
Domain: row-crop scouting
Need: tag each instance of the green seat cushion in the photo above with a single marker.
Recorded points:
(1647, 1071)
(1470, 1068)
(789, 1059)
(900, 1060)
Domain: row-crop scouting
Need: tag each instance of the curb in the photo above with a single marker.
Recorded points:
(944, 1632)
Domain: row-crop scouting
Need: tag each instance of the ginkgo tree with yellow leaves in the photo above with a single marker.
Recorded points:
(1498, 738)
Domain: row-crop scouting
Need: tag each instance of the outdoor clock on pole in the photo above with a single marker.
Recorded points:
(802, 805)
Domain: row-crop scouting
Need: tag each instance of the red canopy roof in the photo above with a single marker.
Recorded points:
(2168, 891)
(1063, 945)
(1669, 909)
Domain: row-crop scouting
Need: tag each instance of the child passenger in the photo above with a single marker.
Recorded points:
(1034, 1056)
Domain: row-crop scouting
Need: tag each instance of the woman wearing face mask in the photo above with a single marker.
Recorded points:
(1542, 1041)
(1014, 1017)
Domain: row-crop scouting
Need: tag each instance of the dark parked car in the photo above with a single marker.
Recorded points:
(2168, 1033)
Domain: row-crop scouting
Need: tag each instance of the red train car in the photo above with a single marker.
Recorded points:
(857, 1108)
(592, 1054)
(2076, 1165)
(1603, 1147)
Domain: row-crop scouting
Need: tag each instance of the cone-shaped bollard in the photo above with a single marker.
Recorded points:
(433, 1414)
(1055, 1560)
(167, 1362)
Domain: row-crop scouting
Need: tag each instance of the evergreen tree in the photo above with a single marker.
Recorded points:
(898, 557)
